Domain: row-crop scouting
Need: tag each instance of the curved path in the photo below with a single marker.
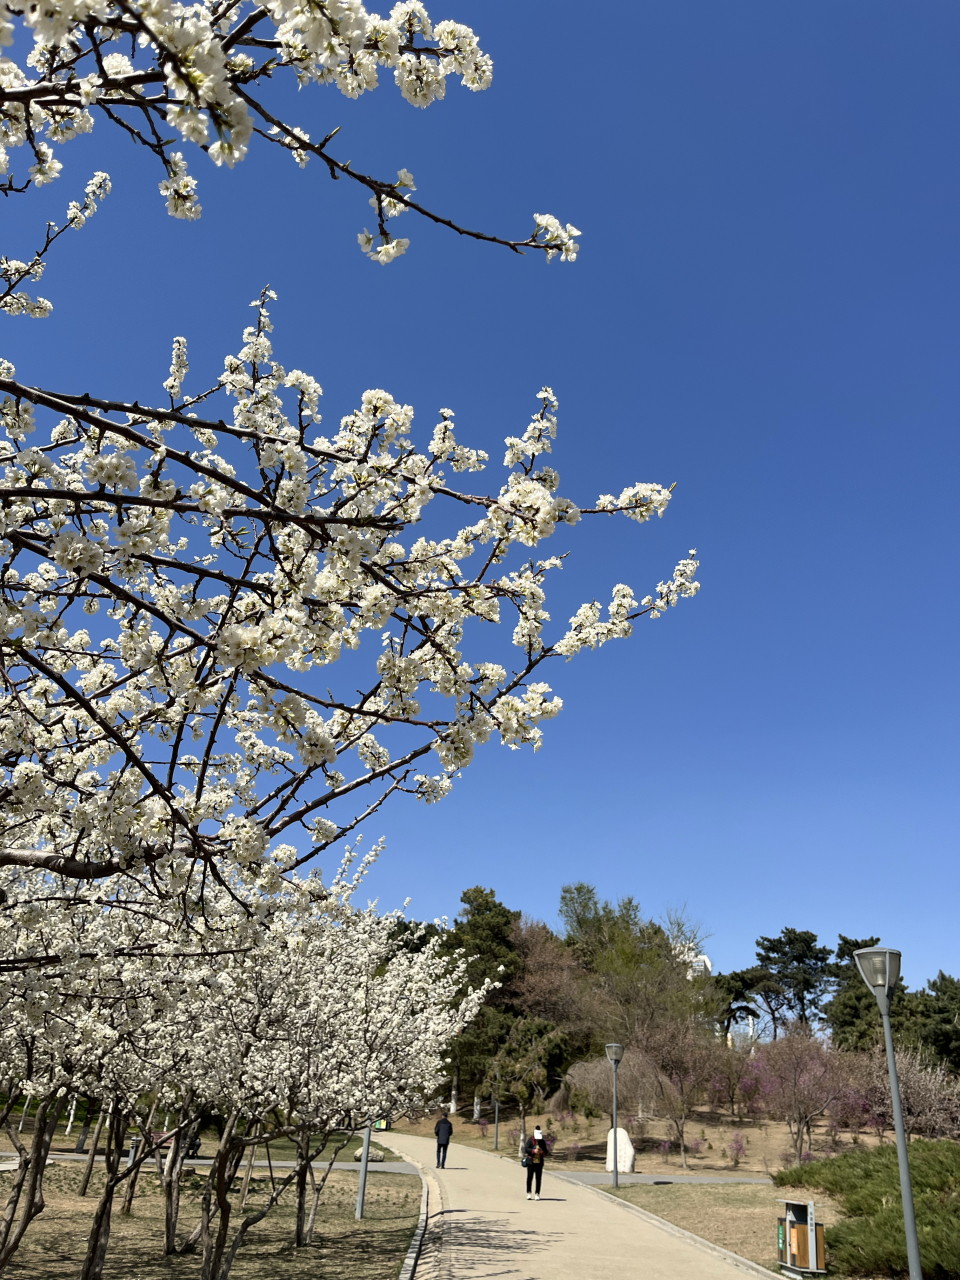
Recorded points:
(492, 1232)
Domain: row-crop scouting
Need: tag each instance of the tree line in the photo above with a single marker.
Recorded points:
(795, 1036)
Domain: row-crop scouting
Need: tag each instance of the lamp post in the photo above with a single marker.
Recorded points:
(496, 1115)
(615, 1053)
(364, 1161)
(880, 969)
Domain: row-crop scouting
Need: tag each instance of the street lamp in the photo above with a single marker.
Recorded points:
(880, 969)
(364, 1161)
(496, 1115)
(615, 1053)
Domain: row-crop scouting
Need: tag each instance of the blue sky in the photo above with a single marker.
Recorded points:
(764, 310)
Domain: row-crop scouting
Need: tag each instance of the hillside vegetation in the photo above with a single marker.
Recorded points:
(870, 1239)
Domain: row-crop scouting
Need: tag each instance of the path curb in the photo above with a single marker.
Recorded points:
(409, 1269)
(754, 1268)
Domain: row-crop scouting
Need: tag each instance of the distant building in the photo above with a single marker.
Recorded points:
(697, 965)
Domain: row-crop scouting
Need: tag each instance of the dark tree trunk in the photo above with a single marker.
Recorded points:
(25, 1201)
(303, 1166)
(100, 1231)
(85, 1180)
(229, 1153)
(131, 1190)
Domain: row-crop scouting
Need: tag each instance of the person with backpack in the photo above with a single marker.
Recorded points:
(444, 1131)
(535, 1154)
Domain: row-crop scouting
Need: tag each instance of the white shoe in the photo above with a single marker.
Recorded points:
(536, 1197)
(529, 1196)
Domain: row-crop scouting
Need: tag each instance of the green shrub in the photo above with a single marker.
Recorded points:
(866, 1184)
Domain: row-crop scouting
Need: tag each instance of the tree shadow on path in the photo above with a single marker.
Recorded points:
(488, 1248)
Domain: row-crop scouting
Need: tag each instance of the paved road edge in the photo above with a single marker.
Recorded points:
(410, 1263)
(754, 1268)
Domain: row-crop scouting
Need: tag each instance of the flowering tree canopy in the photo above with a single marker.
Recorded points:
(180, 585)
(171, 74)
(235, 559)
(315, 1021)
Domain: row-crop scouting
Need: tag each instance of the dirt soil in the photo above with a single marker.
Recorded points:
(281, 1149)
(738, 1217)
(372, 1249)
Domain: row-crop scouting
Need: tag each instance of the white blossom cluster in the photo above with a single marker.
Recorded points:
(311, 1017)
(176, 591)
(157, 67)
(13, 300)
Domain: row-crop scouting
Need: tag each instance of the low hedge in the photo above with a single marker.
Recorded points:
(866, 1184)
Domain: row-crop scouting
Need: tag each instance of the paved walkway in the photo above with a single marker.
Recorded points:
(597, 1179)
(491, 1232)
(204, 1162)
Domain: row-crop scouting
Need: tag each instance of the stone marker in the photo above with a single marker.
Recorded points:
(625, 1152)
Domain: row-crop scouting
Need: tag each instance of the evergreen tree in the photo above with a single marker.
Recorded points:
(485, 930)
(800, 967)
(851, 1014)
(933, 1021)
(738, 999)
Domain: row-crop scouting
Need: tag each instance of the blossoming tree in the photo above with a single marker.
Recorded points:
(181, 584)
(202, 72)
(236, 558)
(327, 1017)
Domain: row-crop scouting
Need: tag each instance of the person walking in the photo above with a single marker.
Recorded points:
(444, 1131)
(536, 1153)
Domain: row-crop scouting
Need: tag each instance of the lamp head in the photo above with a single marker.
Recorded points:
(880, 969)
(614, 1052)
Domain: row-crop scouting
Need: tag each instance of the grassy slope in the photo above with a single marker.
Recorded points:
(870, 1238)
(740, 1218)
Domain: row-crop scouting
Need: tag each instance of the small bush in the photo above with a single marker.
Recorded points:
(870, 1240)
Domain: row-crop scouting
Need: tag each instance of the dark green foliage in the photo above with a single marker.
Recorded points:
(484, 929)
(603, 934)
(928, 1020)
(800, 967)
(789, 981)
(870, 1240)
(528, 1065)
(935, 1021)
(852, 1014)
(738, 999)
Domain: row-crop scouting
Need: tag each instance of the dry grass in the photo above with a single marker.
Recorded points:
(281, 1149)
(738, 1217)
(373, 1249)
(583, 1142)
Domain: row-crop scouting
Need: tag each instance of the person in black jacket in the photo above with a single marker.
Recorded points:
(536, 1153)
(444, 1131)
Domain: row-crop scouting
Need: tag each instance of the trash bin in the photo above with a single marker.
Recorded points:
(800, 1250)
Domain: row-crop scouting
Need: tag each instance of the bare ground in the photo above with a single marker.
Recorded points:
(372, 1249)
(582, 1142)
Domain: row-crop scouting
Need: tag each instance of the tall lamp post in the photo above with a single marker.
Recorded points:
(615, 1053)
(880, 969)
(496, 1115)
(364, 1161)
